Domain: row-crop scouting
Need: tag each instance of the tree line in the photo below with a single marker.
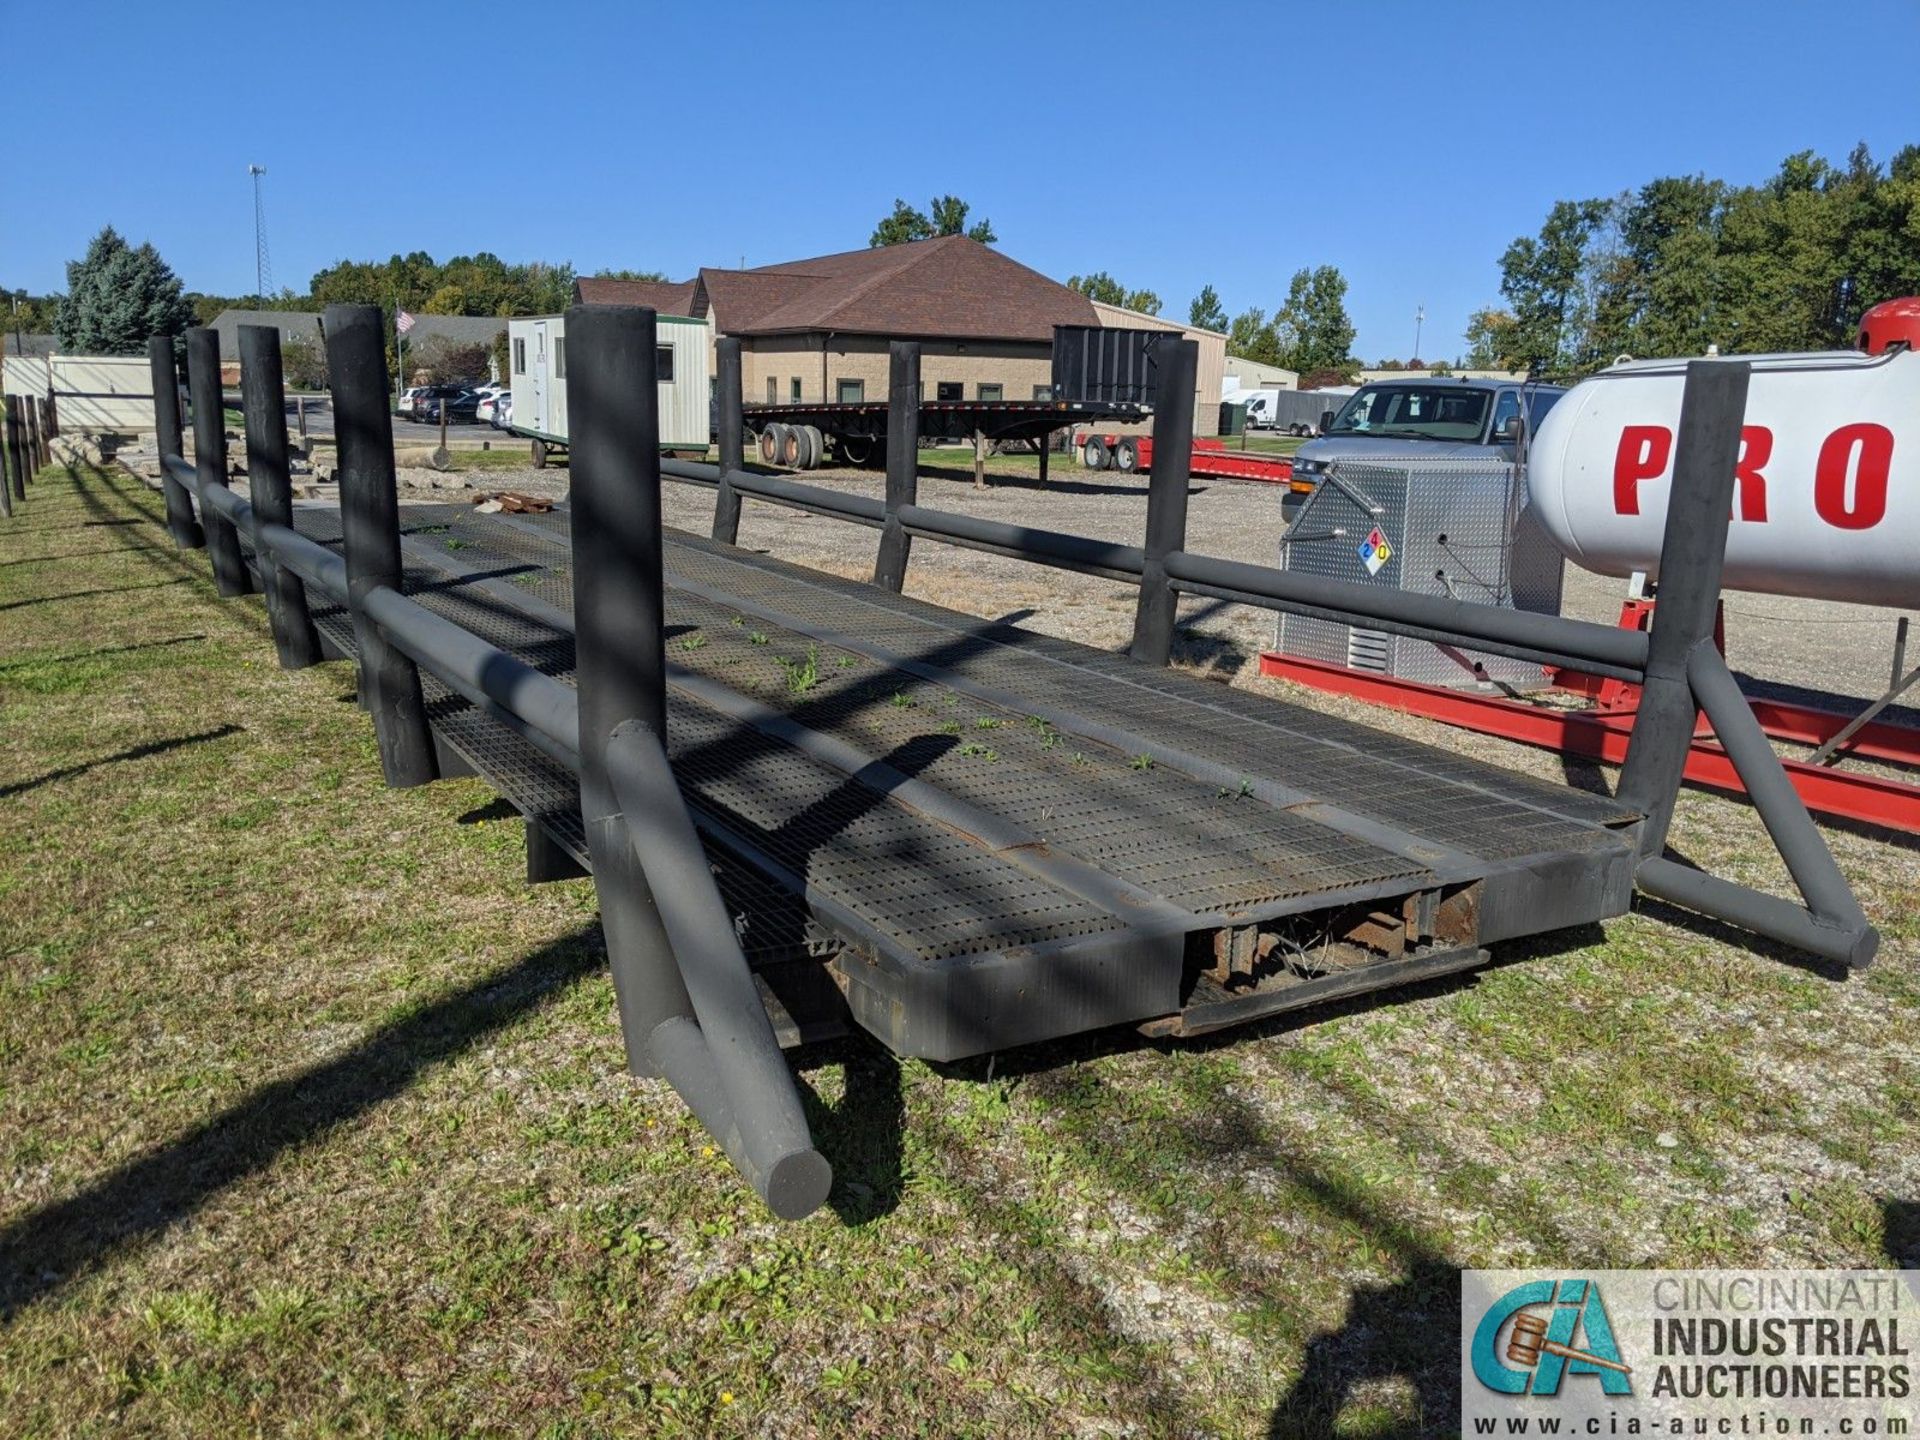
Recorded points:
(118, 294)
(1310, 332)
(1686, 262)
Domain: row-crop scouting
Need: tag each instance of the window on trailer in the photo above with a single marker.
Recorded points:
(520, 357)
(663, 363)
(990, 392)
(852, 392)
(559, 357)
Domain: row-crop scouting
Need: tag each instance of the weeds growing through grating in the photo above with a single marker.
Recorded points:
(986, 722)
(847, 662)
(802, 675)
(695, 641)
(1141, 762)
(901, 700)
(985, 752)
(758, 637)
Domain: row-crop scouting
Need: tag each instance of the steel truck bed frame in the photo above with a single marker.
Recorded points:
(806, 800)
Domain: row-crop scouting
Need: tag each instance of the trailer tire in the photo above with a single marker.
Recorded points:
(539, 454)
(1094, 454)
(813, 446)
(764, 440)
(778, 444)
(1126, 455)
(854, 449)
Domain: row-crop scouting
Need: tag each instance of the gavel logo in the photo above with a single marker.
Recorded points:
(1527, 1342)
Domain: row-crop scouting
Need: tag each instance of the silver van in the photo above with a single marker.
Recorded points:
(1438, 418)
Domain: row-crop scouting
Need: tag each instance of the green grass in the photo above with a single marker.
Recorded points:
(313, 1116)
(507, 454)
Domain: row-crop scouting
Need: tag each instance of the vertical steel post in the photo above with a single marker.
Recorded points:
(264, 402)
(16, 442)
(181, 523)
(47, 431)
(7, 464)
(613, 419)
(1178, 362)
(36, 451)
(903, 461)
(732, 435)
(1692, 552)
(210, 458)
(11, 481)
(370, 528)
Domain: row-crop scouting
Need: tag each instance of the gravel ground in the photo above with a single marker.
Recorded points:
(1818, 650)
(1843, 651)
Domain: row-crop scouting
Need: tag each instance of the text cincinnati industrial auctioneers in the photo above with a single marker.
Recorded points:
(1782, 1337)
(1651, 1352)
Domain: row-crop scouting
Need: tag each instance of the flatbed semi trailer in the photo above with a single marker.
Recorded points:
(1211, 459)
(803, 435)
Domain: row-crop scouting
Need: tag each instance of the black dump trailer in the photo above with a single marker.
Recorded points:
(1107, 365)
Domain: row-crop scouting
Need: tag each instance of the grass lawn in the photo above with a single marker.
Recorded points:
(313, 1116)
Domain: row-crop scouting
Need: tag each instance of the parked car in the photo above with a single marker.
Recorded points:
(428, 397)
(489, 401)
(461, 407)
(503, 411)
(410, 397)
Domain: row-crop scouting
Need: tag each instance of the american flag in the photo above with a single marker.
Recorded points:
(403, 322)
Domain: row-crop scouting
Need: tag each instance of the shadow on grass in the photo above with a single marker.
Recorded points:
(35, 661)
(89, 594)
(1901, 1229)
(135, 752)
(77, 555)
(47, 1249)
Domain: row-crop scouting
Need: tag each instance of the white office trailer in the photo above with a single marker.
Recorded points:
(92, 394)
(537, 362)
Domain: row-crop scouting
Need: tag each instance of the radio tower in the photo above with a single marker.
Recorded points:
(262, 267)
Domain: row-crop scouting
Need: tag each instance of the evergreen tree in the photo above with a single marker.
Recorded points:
(1206, 312)
(117, 297)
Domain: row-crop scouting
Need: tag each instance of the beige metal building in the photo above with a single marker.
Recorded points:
(818, 329)
(1245, 374)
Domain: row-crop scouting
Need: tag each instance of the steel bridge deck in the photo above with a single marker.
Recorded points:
(1091, 841)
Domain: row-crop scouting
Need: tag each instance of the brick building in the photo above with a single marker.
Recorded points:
(818, 329)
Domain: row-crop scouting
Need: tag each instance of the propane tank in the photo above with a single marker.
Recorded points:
(1826, 501)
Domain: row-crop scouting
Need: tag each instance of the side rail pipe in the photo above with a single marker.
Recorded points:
(1676, 661)
(690, 1008)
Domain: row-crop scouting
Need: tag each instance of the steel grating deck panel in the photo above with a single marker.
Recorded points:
(805, 854)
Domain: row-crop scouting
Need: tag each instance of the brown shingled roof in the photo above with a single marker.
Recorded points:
(947, 287)
(669, 297)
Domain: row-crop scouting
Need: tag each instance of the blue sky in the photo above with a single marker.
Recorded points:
(1172, 145)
